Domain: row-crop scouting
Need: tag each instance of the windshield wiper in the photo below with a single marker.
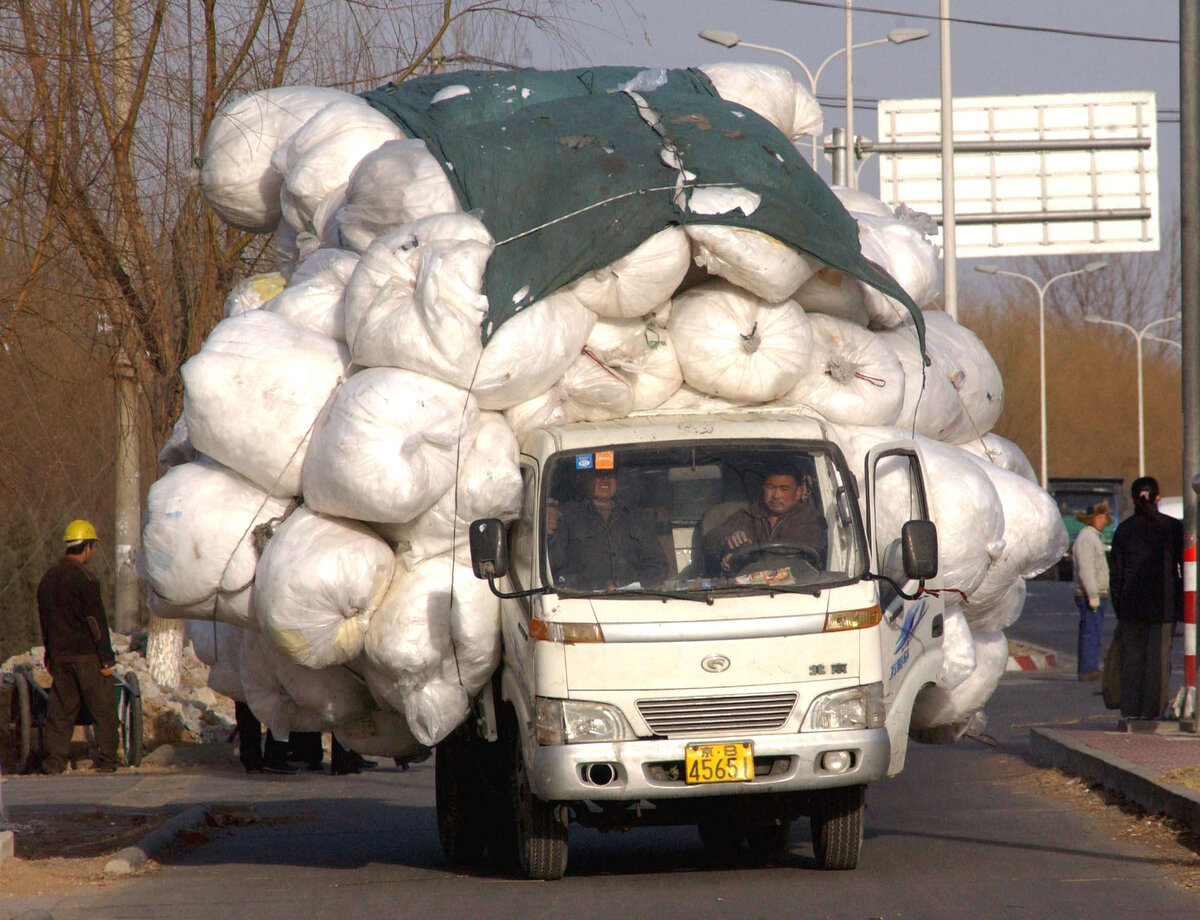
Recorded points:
(704, 598)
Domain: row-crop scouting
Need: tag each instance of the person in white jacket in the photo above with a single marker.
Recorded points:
(1091, 588)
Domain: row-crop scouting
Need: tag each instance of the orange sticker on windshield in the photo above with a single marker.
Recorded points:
(604, 459)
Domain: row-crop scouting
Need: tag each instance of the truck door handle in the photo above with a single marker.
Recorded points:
(935, 629)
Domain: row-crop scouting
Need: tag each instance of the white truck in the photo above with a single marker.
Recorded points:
(671, 666)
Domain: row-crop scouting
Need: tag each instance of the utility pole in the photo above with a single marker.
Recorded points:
(949, 246)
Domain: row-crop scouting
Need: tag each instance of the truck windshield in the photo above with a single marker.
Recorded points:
(701, 518)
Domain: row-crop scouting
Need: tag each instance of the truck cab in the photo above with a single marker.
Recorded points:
(699, 627)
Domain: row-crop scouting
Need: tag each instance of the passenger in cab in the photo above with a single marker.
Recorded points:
(600, 541)
(783, 514)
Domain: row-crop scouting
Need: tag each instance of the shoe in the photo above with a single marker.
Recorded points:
(284, 769)
(1090, 675)
(361, 762)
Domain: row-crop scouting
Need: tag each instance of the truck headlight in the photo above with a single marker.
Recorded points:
(858, 707)
(576, 722)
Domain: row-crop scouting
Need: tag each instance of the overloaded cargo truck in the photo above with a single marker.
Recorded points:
(679, 675)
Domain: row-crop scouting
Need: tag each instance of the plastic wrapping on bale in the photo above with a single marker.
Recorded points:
(761, 264)
(971, 370)
(531, 351)
(1003, 453)
(770, 91)
(178, 448)
(252, 392)
(219, 646)
(397, 183)
(860, 202)
(931, 405)
(958, 649)
(415, 300)
(737, 346)
(385, 446)
(198, 550)
(689, 399)
(316, 586)
(940, 714)
(903, 251)
(288, 697)
(315, 297)
(853, 376)
(639, 282)
(643, 353)
(833, 293)
(252, 293)
(236, 176)
(320, 156)
(381, 733)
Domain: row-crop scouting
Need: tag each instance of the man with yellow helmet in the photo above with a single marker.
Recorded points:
(79, 653)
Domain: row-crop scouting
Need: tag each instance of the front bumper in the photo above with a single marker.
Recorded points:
(653, 769)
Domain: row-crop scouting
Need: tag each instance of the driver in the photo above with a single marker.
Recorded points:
(783, 514)
(601, 541)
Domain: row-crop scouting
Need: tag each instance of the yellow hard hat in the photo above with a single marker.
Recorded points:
(77, 531)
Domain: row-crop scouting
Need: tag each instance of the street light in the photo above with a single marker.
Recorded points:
(1139, 335)
(733, 40)
(1041, 291)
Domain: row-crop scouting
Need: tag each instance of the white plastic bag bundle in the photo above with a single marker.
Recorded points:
(251, 394)
(317, 584)
(288, 254)
(859, 202)
(908, 256)
(198, 550)
(488, 486)
(236, 177)
(416, 300)
(386, 445)
(761, 264)
(316, 295)
(972, 372)
(996, 603)
(737, 346)
(931, 405)
(252, 293)
(531, 351)
(219, 646)
(381, 733)
(643, 354)
(853, 376)
(831, 292)
(178, 448)
(321, 155)
(640, 281)
(397, 183)
(770, 91)
(289, 697)
(958, 649)
(1003, 453)
(938, 707)
(689, 399)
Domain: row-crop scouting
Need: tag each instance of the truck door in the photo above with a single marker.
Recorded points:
(911, 632)
(518, 676)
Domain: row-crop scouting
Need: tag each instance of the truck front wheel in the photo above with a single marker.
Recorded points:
(461, 802)
(837, 827)
(541, 827)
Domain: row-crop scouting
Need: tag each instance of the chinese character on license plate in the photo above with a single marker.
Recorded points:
(726, 762)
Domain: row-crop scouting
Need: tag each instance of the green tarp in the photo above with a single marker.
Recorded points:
(571, 184)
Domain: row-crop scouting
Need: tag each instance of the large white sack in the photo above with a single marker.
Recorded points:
(859, 202)
(958, 648)
(236, 177)
(931, 405)
(643, 354)
(415, 300)
(761, 264)
(317, 584)
(315, 298)
(853, 376)
(737, 346)
(320, 156)
(904, 252)
(198, 543)
(286, 246)
(972, 372)
(770, 91)
(1003, 453)
(689, 399)
(488, 486)
(937, 707)
(289, 697)
(381, 733)
(178, 448)
(252, 392)
(386, 445)
(251, 293)
(963, 503)
(640, 281)
(532, 350)
(397, 183)
(831, 292)
(219, 645)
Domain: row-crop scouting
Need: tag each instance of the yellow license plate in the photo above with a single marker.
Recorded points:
(724, 762)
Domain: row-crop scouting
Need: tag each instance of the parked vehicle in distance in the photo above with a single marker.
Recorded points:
(1075, 496)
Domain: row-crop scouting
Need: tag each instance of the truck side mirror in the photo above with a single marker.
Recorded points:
(920, 548)
(489, 548)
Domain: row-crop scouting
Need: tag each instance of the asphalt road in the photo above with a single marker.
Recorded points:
(960, 833)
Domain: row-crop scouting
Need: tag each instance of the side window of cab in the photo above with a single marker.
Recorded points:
(899, 497)
(522, 533)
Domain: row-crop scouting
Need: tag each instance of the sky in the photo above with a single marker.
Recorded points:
(986, 58)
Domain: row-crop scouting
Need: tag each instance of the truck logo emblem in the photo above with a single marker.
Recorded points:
(715, 664)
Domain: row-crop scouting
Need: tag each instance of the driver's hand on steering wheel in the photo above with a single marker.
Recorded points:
(732, 542)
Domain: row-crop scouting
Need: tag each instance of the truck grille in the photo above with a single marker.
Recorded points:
(717, 714)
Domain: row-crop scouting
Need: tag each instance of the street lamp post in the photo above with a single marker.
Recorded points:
(1041, 292)
(1139, 335)
(732, 40)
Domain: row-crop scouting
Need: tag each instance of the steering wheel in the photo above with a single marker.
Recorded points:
(740, 555)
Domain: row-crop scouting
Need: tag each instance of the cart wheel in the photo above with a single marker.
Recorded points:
(20, 724)
(131, 721)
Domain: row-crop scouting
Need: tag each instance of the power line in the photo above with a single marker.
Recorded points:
(1053, 30)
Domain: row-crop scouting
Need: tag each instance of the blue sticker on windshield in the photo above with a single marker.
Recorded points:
(584, 462)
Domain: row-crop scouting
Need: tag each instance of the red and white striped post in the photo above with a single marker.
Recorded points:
(1188, 710)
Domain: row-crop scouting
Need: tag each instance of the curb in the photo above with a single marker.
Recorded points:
(1114, 772)
(1024, 656)
(130, 859)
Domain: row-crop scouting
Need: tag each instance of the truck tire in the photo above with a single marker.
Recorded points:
(541, 827)
(461, 802)
(20, 725)
(721, 839)
(837, 827)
